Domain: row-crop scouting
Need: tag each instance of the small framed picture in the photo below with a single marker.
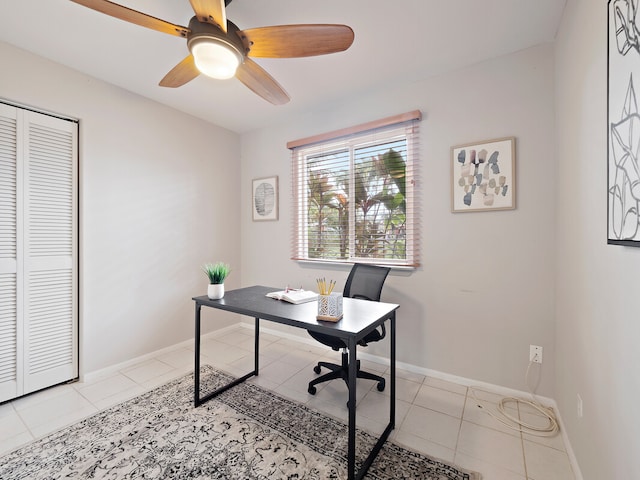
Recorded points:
(483, 176)
(264, 199)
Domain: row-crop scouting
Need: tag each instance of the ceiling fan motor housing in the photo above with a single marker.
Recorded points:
(207, 32)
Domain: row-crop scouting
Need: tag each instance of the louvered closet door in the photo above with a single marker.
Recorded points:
(10, 327)
(50, 251)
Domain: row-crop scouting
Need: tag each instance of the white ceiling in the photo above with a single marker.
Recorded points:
(396, 41)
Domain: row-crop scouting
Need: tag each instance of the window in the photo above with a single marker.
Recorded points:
(354, 194)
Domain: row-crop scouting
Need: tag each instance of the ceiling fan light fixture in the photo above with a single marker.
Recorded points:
(214, 57)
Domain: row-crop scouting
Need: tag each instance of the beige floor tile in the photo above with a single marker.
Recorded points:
(300, 381)
(166, 377)
(274, 350)
(376, 407)
(411, 376)
(372, 426)
(405, 389)
(445, 385)
(424, 446)
(486, 469)
(332, 409)
(219, 352)
(10, 443)
(235, 337)
(6, 409)
(491, 446)
(440, 400)
(42, 396)
(119, 397)
(57, 412)
(103, 388)
(431, 425)
(246, 364)
(300, 357)
(537, 421)
(336, 391)
(264, 382)
(278, 372)
(145, 371)
(489, 416)
(11, 424)
(293, 394)
(52, 410)
(177, 358)
(545, 463)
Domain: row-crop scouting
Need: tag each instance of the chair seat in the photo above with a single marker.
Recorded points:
(337, 343)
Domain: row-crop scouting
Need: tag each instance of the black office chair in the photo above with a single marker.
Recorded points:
(365, 282)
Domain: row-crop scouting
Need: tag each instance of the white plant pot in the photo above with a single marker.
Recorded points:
(215, 291)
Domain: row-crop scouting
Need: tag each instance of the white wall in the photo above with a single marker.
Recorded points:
(485, 290)
(158, 199)
(598, 320)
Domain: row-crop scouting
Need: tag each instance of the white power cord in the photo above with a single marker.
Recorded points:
(502, 416)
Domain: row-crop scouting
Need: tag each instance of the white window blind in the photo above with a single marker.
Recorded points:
(355, 195)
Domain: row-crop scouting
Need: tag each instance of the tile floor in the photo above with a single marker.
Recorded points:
(436, 417)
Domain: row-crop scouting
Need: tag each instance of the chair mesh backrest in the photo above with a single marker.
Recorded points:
(366, 281)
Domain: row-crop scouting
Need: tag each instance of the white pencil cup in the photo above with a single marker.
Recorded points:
(330, 307)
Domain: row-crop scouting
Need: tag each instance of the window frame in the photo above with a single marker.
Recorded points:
(386, 131)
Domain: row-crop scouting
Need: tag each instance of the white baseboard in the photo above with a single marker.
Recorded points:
(497, 389)
(110, 370)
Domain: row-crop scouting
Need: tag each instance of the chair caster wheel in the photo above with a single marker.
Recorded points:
(381, 385)
(312, 390)
(317, 369)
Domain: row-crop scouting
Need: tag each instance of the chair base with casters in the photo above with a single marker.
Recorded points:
(342, 371)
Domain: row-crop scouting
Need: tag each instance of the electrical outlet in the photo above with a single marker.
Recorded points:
(579, 406)
(535, 353)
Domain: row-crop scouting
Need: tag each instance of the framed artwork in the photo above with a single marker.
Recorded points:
(264, 199)
(483, 176)
(623, 125)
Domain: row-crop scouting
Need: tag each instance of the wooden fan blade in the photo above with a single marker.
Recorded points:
(133, 16)
(211, 11)
(291, 41)
(182, 73)
(261, 83)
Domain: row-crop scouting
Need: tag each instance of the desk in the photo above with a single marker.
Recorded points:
(360, 318)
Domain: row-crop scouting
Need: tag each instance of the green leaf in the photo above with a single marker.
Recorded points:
(216, 272)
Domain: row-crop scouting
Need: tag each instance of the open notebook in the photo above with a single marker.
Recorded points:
(294, 296)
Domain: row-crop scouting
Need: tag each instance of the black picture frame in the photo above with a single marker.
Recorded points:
(623, 124)
(264, 199)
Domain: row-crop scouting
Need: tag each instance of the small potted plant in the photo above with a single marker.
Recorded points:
(217, 273)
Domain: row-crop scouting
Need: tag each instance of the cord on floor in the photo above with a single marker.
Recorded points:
(501, 415)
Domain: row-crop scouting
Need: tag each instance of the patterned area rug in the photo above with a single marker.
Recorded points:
(245, 433)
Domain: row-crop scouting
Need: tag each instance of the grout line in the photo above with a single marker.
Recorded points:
(464, 406)
(524, 455)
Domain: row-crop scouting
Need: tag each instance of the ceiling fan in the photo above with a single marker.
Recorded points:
(219, 49)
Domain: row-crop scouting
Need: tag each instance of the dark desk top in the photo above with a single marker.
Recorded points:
(360, 316)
